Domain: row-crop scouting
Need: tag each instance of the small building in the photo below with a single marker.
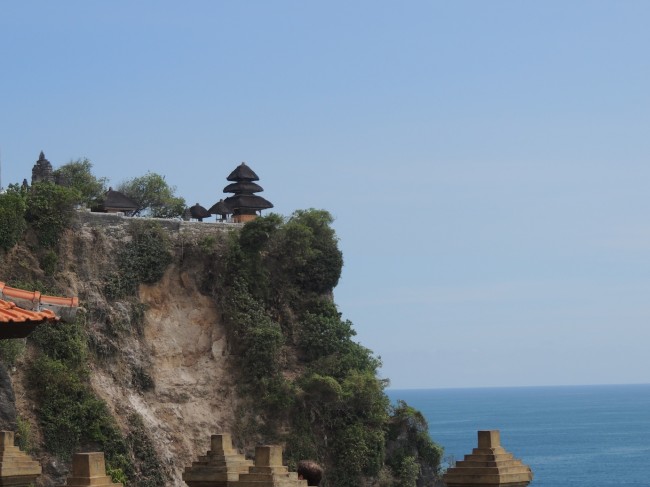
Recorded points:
(245, 204)
(116, 202)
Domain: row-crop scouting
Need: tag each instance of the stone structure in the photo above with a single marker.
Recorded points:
(17, 469)
(489, 465)
(42, 170)
(268, 470)
(221, 466)
(89, 469)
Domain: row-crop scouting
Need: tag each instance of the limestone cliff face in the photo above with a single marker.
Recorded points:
(170, 363)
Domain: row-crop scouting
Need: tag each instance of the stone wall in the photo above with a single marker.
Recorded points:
(115, 224)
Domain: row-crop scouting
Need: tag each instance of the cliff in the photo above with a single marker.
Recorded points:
(189, 329)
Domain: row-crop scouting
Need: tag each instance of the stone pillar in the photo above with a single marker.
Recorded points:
(220, 467)
(16, 467)
(489, 465)
(268, 470)
(89, 469)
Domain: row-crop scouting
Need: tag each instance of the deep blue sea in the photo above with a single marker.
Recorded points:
(571, 436)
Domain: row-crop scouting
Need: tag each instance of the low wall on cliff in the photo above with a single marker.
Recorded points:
(116, 223)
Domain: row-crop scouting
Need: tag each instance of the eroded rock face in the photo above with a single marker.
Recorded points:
(194, 388)
(179, 348)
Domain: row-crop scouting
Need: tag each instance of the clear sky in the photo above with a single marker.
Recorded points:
(487, 162)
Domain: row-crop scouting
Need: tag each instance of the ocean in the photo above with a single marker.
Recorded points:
(570, 436)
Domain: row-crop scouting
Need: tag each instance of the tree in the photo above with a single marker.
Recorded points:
(153, 195)
(77, 175)
(307, 251)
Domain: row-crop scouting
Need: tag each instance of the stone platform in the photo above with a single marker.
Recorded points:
(489, 465)
(89, 470)
(17, 469)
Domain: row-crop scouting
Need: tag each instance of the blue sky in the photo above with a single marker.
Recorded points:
(487, 162)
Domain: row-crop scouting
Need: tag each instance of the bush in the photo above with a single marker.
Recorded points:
(11, 350)
(275, 285)
(69, 413)
(49, 211)
(12, 217)
(143, 260)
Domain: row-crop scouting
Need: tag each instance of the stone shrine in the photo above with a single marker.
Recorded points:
(220, 467)
(489, 465)
(224, 466)
(89, 469)
(268, 470)
(17, 469)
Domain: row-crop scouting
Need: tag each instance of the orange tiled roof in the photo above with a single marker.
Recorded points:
(16, 322)
(10, 313)
(22, 311)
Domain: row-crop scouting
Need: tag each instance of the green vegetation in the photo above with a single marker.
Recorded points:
(50, 208)
(69, 413)
(299, 363)
(24, 437)
(154, 196)
(12, 216)
(143, 260)
(71, 417)
(11, 350)
(78, 176)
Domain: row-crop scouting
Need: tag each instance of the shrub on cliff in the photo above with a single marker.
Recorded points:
(70, 414)
(143, 260)
(12, 216)
(49, 210)
(298, 355)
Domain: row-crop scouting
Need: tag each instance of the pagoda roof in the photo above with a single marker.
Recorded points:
(243, 187)
(248, 201)
(220, 208)
(197, 211)
(243, 173)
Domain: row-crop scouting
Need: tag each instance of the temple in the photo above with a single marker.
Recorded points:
(42, 170)
(245, 204)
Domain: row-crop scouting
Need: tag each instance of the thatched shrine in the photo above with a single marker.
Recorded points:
(220, 208)
(245, 205)
(198, 212)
